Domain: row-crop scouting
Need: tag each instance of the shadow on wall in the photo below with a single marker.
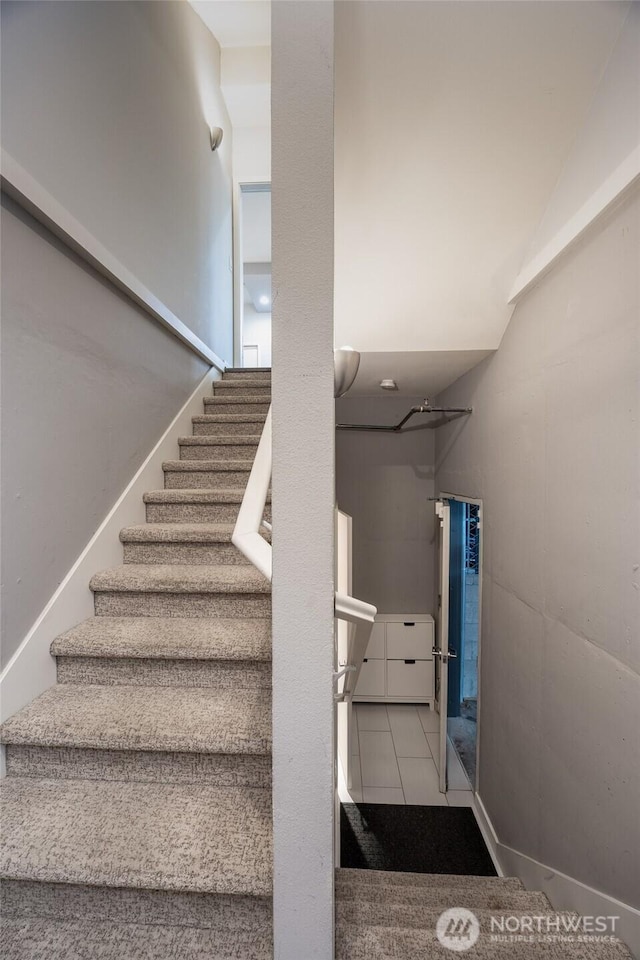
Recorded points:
(384, 482)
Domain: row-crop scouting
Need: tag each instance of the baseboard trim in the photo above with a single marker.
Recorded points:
(31, 670)
(564, 892)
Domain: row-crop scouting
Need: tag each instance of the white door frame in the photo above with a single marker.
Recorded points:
(238, 271)
(478, 501)
(441, 648)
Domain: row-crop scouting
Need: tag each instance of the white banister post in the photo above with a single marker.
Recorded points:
(303, 477)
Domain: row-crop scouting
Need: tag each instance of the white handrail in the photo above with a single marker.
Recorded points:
(246, 533)
(246, 537)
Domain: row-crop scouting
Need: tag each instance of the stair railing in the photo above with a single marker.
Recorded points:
(248, 539)
(246, 533)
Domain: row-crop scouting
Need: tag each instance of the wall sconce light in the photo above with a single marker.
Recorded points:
(216, 134)
(346, 361)
(388, 384)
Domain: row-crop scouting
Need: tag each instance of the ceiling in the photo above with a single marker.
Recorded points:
(453, 124)
(417, 373)
(237, 23)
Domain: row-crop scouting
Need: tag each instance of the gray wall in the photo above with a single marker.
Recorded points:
(383, 481)
(89, 384)
(106, 105)
(552, 448)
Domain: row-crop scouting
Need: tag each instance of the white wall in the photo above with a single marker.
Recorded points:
(303, 479)
(610, 134)
(384, 481)
(252, 154)
(453, 122)
(256, 328)
(552, 448)
(107, 105)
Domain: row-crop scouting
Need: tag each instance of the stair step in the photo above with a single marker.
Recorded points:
(218, 448)
(382, 943)
(189, 590)
(425, 896)
(196, 505)
(184, 719)
(137, 672)
(247, 373)
(206, 474)
(234, 404)
(65, 901)
(155, 651)
(227, 424)
(167, 637)
(151, 835)
(366, 878)
(415, 916)
(90, 939)
(181, 543)
(139, 766)
(247, 386)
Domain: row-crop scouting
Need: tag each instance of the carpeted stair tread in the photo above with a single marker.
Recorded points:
(157, 836)
(168, 638)
(67, 901)
(47, 939)
(346, 876)
(470, 897)
(383, 943)
(417, 916)
(247, 372)
(207, 466)
(118, 717)
(197, 495)
(180, 533)
(251, 418)
(230, 401)
(176, 578)
(247, 440)
(245, 383)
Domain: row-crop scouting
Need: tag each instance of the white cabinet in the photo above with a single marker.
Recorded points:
(398, 663)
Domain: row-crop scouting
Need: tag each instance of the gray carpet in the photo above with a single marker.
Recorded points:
(137, 807)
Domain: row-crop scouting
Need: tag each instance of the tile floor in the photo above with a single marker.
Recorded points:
(395, 758)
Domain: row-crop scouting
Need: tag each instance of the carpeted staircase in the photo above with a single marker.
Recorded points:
(382, 915)
(137, 806)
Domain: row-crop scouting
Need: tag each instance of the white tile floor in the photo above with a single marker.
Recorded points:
(395, 758)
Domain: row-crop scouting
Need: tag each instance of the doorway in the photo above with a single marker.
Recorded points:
(459, 617)
(464, 603)
(252, 280)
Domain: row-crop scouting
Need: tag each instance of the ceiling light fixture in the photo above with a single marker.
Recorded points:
(388, 384)
(264, 300)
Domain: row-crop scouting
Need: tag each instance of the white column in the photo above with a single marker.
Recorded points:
(303, 476)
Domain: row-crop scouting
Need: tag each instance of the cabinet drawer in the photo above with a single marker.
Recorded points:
(409, 642)
(375, 648)
(371, 679)
(410, 679)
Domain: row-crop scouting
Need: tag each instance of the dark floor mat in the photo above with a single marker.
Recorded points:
(381, 836)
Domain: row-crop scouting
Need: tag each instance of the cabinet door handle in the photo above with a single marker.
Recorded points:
(408, 623)
(409, 661)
